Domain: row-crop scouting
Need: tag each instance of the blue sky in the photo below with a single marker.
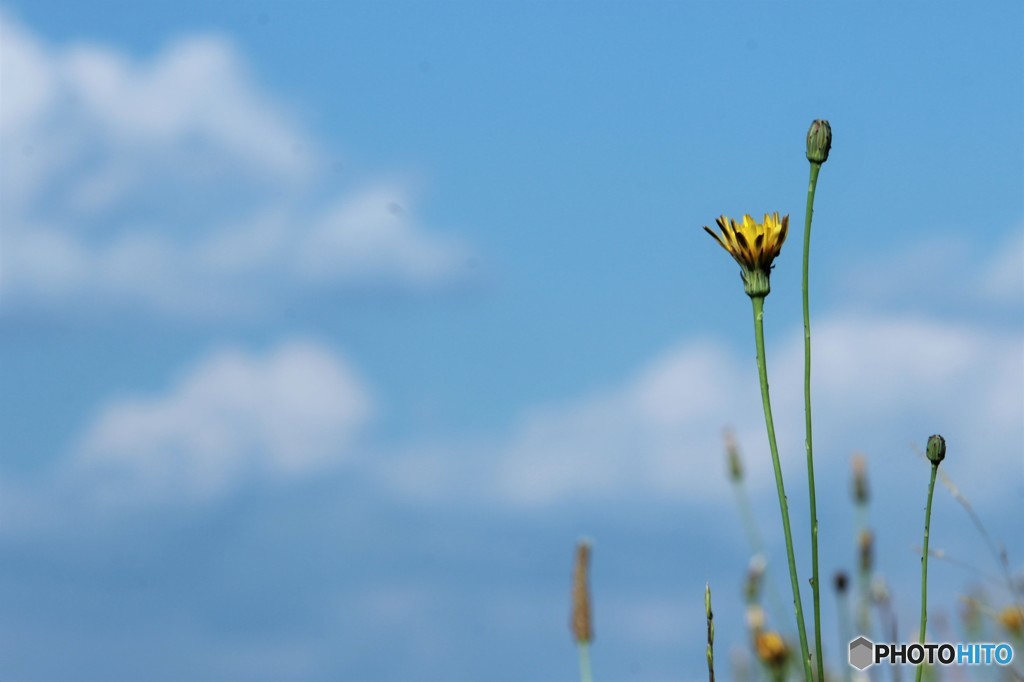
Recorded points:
(329, 328)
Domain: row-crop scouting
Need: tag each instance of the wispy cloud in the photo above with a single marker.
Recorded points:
(945, 269)
(233, 417)
(177, 184)
(295, 413)
(882, 383)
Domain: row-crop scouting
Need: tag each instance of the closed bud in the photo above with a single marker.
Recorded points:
(936, 449)
(841, 581)
(819, 141)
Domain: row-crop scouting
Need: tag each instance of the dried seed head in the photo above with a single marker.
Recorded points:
(860, 479)
(866, 550)
(732, 453)
(580, 623)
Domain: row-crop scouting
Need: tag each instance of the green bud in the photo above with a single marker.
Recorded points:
(936, 449)
(732, 452)
(819, 141)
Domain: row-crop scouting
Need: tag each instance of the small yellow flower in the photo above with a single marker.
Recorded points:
(1012, 618)
(754, 245)
(771, 649)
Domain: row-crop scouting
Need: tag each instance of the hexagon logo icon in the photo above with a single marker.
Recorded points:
(861, 653)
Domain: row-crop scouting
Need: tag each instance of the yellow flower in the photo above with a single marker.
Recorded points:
(771, 649)
(1012, 618)
(754, 245)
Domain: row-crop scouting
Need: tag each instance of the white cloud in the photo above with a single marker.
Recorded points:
(234, 416)
(942, 270)
(657, 434)
(175, 183)
(1002, 278)
(880, 384)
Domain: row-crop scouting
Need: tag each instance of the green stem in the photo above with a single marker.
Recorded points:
(924, 565)
(815, 583)
(863, 578)
(585, 676)
(762, 368)
(844, 632)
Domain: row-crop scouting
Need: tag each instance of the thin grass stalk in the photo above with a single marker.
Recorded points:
(845, 623)
(758, 547)
(865, 567)
(711, 632)
(584, 649)
(997, 549)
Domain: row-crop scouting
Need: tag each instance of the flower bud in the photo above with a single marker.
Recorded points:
(819, 141)
(936, 449)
